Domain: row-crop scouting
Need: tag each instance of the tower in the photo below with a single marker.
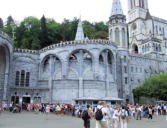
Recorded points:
(140, 25)
(117, 25)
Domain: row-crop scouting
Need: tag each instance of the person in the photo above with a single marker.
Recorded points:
(47, 111)
(102, 123)
(116, 117)
(150, 112)
(108, 117)
(124, 118)
(86, 116)
(138, 112)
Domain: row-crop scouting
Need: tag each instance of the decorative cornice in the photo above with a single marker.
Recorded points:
(68, 43)
(26, 51)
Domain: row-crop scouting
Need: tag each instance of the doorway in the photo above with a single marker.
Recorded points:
(25, 102)
(15, 99)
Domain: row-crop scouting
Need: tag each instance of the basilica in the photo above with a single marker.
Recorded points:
(85, 70)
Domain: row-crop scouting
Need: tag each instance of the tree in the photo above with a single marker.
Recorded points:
(54, 31)
(9, 28)
(154, 87)
(44, 39)
(1, 24)
(27, 32)
(10, 20)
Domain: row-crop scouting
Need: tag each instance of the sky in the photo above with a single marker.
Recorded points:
(91, 10)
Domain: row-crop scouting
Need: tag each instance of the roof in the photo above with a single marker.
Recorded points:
(116, 8)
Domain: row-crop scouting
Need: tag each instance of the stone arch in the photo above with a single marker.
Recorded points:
(44, 67)
(77, 50)
(106, 68)
(83, 59)
(135, 48)
(117, 36)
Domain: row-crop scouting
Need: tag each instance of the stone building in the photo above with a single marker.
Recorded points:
(88, 69)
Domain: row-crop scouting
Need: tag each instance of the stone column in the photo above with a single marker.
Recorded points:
(64, 69)
(81, 88)
(5, 87)
(50, 81)
(96, 66)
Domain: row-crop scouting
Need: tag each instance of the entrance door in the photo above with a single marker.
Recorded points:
(25, 102)
(15, 99)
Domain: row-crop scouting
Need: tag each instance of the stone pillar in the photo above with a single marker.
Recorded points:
(80, 63)
(50, 81)
(81, 88)
(5, 87)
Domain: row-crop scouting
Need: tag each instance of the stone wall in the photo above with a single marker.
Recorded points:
(2, 77)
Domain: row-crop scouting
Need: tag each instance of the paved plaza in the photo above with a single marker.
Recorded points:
(31, 120)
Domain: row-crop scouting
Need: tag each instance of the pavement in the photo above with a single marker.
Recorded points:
(33, 120)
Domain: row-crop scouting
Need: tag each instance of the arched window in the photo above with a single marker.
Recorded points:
(109, 58)
(143, 49)
(101, 59)
(2, 59)
(17, 78)
(27, 79)
(111, 35)
(22, 78)
(163, 32)
(117, 38)
(123, 37)
(135, 48)
(156, 30)
(46, 65)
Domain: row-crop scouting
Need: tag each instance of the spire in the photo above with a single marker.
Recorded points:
(80, 33)
(116, 8)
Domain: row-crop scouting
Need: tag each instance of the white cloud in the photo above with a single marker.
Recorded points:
(91, 10)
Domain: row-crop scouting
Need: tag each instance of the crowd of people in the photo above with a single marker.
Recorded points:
(106, 116)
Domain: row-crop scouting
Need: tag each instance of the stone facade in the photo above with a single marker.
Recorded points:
(87, 68)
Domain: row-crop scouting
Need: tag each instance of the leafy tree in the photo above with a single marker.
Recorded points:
(154, 87)
(1, 24)
(27, 32)
(101, 35)
(54, 31)
(44, 39)
(10, 20)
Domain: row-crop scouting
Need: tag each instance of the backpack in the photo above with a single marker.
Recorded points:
(123, 114)
(85, 115)
(99, 114)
